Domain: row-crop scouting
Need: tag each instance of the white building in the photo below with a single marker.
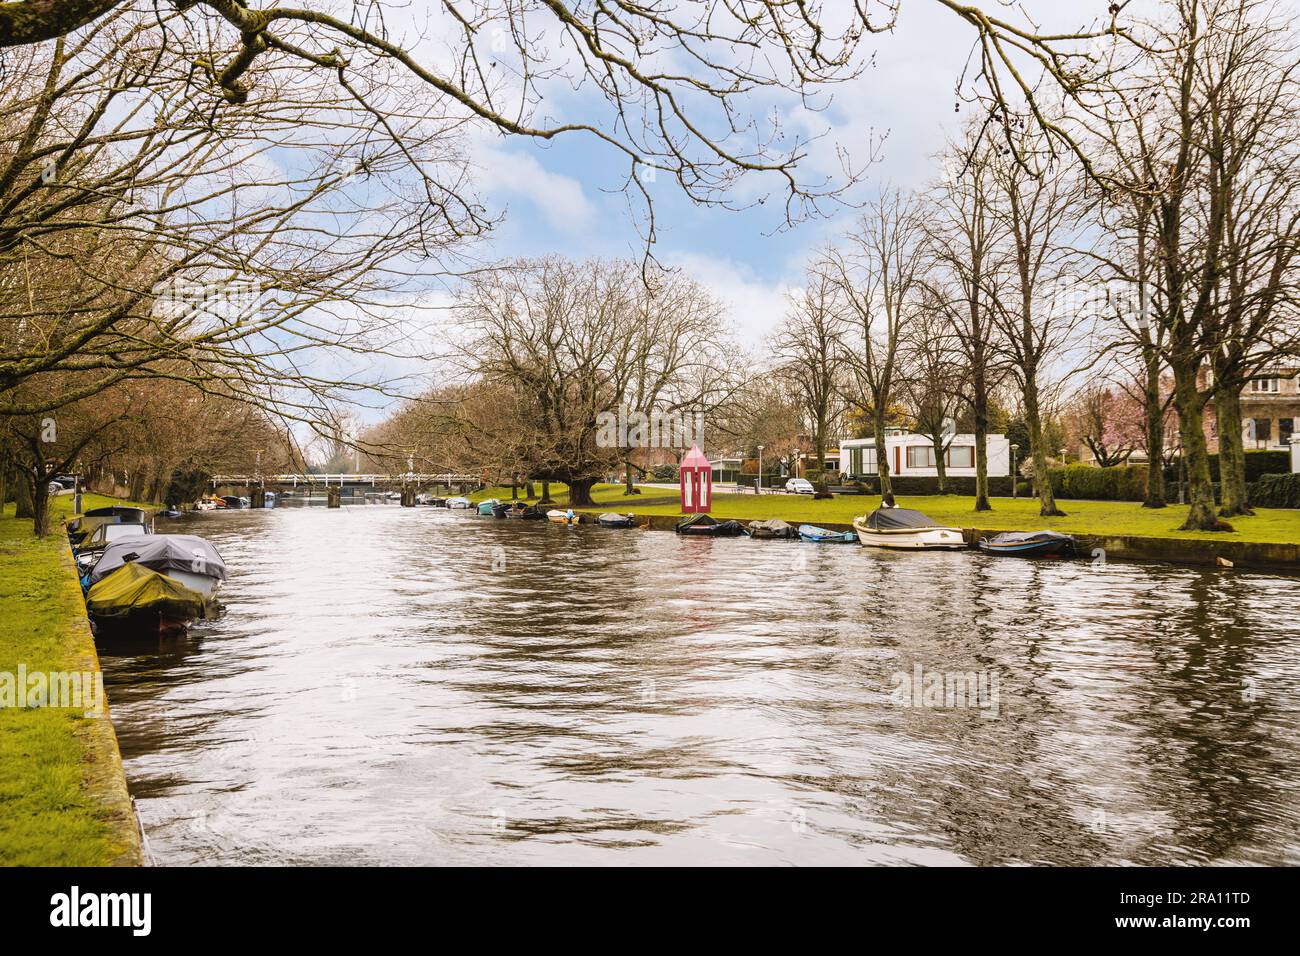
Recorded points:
(911, 454)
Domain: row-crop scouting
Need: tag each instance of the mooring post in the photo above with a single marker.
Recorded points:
(333, 498)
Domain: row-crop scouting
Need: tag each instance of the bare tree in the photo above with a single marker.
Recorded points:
(1039, 217)
(809, 348)
(878, 278)
(1212, 85)
(573, 342)
(933, 377)
(966, 236)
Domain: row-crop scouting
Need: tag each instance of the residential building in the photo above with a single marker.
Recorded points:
(911, 454)
(1270, 409)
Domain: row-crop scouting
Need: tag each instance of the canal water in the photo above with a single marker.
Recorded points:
(418, 686)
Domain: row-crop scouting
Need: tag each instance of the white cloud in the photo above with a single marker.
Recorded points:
(561, 200)
(755, 304)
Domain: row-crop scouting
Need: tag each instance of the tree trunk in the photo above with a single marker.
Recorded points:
(629, 488)
(1155, 428)
(40, 491)
(981, 443)
(23, 507)
(136, 492)
(940, 462)
(1042, 480)
(529, 491)
(882, 461)
(580, 492)
(546, 494)
(1232, 454)
(1196, 460)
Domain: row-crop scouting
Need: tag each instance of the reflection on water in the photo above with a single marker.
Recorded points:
(418, 686)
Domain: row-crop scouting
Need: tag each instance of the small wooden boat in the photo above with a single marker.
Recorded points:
(709, 527)
(533, 513)
(1030, 544)
(772, 530)
(612, 519)
(809, 532)
(516, 509)
(905, 529)
(563, 517)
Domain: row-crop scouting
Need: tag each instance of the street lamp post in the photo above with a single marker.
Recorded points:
(758, 488)
(1014, 448)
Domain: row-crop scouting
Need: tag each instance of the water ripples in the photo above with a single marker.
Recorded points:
(418, 686)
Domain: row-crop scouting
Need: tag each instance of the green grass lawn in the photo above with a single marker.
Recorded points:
(51, 807)
(1269, 525)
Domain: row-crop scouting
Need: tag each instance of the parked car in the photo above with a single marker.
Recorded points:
(799, 486)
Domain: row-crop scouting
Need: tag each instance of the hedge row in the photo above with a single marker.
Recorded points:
(1276, 491)
(1259, 462)
(1121, 483)
(929, 485)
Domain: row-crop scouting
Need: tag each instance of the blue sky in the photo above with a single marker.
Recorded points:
(554, 202)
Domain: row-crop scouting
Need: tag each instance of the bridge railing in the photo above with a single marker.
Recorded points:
(341, 479)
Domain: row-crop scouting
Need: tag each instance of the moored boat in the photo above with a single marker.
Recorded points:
(809, 532)
(563, 517)
(773, 529)
(485, 507)
(81, 528)
(459, 503)
(706, 526)
(140, 599)
(88, 551)
(1030, 544)
(186, 558)
(612, 519)
(905, 529)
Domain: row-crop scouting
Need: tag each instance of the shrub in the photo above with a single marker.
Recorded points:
(1120, 483)
(665, 472)
(1259, 462)
(999, 487)
(1276, 491)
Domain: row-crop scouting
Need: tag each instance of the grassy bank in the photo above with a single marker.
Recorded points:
(62, 795)
(1270, 525)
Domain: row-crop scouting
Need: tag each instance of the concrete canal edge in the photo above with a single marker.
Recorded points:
(104, 779)
(1251, 555)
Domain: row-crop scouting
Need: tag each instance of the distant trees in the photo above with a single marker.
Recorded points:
(809, 351)
(560, 343)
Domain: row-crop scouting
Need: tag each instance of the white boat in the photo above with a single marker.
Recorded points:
(562, 517)
(459, 503)
(905, 529)
(189, 559)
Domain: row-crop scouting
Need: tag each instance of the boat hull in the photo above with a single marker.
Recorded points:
(1031, 549)
(919, 539)
(204, 584)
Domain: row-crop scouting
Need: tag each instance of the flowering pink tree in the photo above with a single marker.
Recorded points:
(1110, 421)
